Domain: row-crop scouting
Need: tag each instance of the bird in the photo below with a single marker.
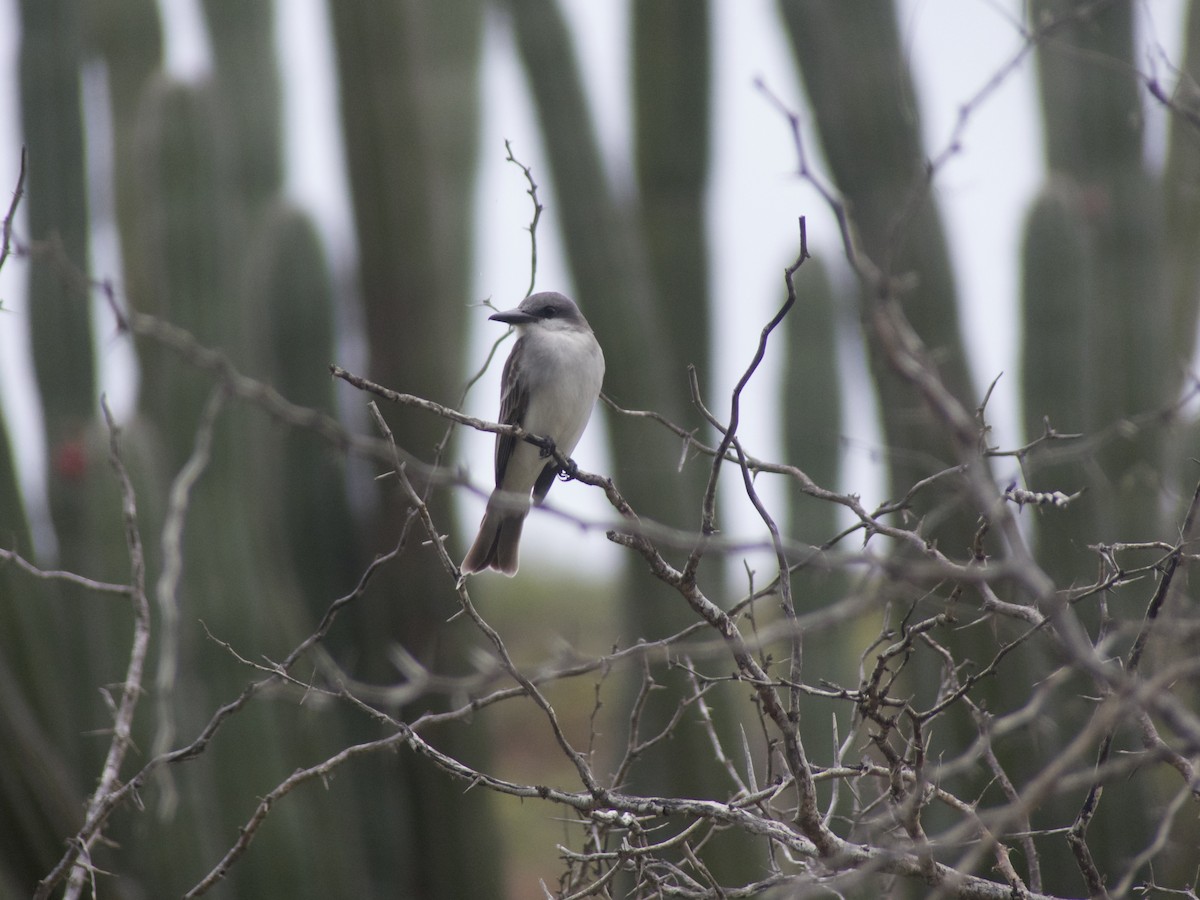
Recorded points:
(549, 385)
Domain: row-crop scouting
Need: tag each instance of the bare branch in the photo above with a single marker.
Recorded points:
(6, 238)
(167, 588)
(130, 693)
(537, 214)
(100, 587)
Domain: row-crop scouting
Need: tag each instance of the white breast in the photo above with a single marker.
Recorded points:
(566, 370)
(571, 370)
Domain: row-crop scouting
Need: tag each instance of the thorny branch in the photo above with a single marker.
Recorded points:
(537, 214)
(6, 230)
(898, 759)
(131, 691)
(804, 832)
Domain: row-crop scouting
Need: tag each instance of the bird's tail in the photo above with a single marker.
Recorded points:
(498, 544)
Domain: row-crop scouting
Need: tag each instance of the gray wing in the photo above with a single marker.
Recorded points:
(545, 482)
(514, 403)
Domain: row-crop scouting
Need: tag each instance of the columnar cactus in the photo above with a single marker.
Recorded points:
(861, 91)
(1110, 295)
(408, 75)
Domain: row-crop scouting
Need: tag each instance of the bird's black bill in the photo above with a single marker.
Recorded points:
(513, 317)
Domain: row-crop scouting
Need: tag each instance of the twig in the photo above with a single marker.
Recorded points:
(6, 241)
(167, 587)
(199, 744)
(1077, 837)
(735, 412)
(100, 587)
(289, 784)
(131, 691)
(537, 214)
(437, 409)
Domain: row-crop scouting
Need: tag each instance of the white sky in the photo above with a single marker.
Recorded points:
(955, 46)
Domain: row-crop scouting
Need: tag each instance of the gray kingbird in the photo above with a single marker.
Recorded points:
(550, 383)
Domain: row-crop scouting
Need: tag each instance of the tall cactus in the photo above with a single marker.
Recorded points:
(57, 210)
(14, 526)
(60, 322)
(42, 753)
(288, 273)
(1183, 199)
(59, 306)
(68, 640)
(640, 268)
(811, 399)
(1109, 299)
(861, 92)
(39, 798)
(247, 83)
(232, 580)
(672, 71)
(189, 224)
(1182, 212)
(125, 35)
(408, 75)
(811, 413)
(1093, 130)
(198, 172)
(672, 105)
(860, 88)
(1056, 291)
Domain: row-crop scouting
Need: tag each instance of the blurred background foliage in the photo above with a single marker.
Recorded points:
(210, 243)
